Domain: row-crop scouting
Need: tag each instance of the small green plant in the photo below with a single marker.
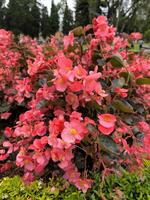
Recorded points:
(129, 186)
(147, 35)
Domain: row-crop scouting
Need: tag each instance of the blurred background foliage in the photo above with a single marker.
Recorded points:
(31, 17)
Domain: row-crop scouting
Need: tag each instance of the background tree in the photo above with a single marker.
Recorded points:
(125, 15)
(82, 16)
(2, 13)
(67, 23)
(45, 22)
(54, 19)
(23, 16)
(14, 16)
(34, 20)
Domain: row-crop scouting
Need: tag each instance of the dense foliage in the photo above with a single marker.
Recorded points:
(75, 104)
(130, 186)
(147, 35)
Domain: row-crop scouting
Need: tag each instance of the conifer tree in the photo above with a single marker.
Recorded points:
(54, 19)
(34, 20)
(23, 16)
(2, 14)
(67, 20)
(82, 13)
(45, 22)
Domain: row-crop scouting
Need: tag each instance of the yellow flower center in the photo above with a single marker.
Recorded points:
(107, 118)
(61, 81)
(79, 72)
(73, 131)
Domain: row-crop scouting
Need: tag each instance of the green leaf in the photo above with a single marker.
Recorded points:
(78, 31)
(4, 107)
(117, 61)
(107, 144)
(123, 106)
(118, 82)
(143, 81)
(127, 75)
(96, 56)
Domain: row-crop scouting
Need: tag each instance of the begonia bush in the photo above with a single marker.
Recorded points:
(73, 104)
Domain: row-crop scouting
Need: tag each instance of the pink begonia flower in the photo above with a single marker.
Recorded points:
(144, 127)
(25, 130)
(68, 40)
(56, 126)
(56, 154)
(39, 129)
(106, 123)
(104, 130)
(90, 82)
(40, 158)
(136, 36)
(79, 72)
(39, 169)
(8, 132)
(72, 100)
(5, 115)
(76, 86)
(48, 92)
(75, 130)
(28, 177)
(61, 83)
(3, 156)
(23, 160)
(5, 167)
(122, 92)
(59, 112)
(37, 145)
(72, 174)
(31, 115)
(100, 26)
(65, 67)
(87, 121)
(8, 145)
(76, 116)
(83, 184)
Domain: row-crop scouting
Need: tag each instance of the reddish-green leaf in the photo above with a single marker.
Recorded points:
(143, 81)
(123, 106)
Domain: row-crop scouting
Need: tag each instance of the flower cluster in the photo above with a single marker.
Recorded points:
(76, 103)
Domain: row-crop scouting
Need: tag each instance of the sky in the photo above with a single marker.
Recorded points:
(71, 3)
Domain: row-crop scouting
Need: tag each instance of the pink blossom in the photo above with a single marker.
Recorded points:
(61, 83)
(73, 131)
(39, 129)
(136, 36)
(72, 100)
(65, 66)
(79, 72)
(76, 86)
(106, 123)
(68, 40)
(83, 184)
(5, 115)
(121, 92)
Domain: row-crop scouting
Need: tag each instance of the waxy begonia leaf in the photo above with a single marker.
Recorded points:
(78, 31)
(118, 82)
(127, 75)
(4, 107)
(106, 143)
(123, 106)
(117, 61)
(143, 81)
